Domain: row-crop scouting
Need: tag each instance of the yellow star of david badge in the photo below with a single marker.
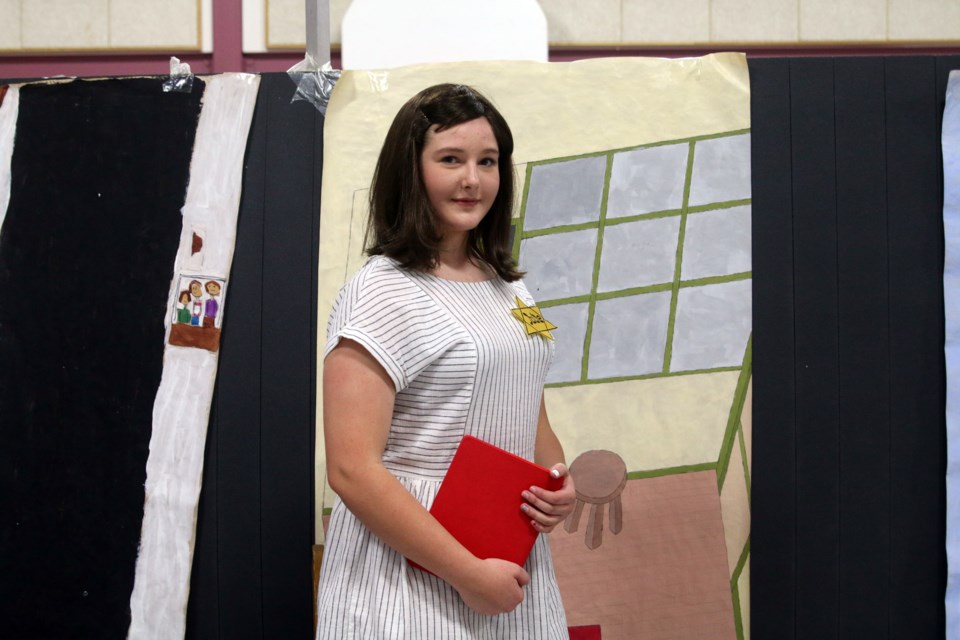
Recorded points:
(533, 321)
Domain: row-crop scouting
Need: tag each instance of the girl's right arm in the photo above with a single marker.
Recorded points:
(358, 398)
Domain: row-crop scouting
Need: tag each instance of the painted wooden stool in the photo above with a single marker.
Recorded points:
(599, 477)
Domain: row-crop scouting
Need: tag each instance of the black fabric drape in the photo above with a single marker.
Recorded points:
(99, 174)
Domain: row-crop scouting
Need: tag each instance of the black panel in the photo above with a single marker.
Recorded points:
(815, 323)
(288, 386)
(99, 173)
(773, 530)
(851, 520)
(864, 370)
(914, 108)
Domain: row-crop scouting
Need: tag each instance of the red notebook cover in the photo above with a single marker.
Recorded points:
(479, 500)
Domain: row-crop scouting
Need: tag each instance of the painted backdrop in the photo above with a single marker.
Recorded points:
(634, 228)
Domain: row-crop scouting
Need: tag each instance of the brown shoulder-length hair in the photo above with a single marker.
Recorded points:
(402, 222)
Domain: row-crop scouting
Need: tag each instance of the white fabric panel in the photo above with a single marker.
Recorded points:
(158, 604)
(8, 127)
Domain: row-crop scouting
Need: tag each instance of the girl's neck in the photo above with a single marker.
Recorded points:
(460, 266)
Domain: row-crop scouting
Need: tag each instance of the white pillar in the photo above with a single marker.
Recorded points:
(381, 34)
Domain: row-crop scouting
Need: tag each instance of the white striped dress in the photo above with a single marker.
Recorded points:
(461, 364)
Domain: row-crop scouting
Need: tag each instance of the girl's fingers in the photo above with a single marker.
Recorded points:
(539, 503)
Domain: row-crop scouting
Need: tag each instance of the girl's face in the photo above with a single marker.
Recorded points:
(461, 176)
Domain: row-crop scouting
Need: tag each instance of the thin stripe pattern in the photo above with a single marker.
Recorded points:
(461, 364)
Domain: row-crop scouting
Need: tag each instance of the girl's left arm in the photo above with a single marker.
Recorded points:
(547, 509)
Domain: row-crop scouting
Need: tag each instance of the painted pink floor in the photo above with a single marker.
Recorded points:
(664, 576)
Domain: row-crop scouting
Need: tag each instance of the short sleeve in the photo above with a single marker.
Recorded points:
(521, 291)
(393, 319)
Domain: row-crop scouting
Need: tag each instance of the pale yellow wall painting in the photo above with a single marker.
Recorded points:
(634, 228)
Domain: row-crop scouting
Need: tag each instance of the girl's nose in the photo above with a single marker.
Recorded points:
(470, 176)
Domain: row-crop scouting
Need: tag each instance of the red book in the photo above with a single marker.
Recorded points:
(479, 500)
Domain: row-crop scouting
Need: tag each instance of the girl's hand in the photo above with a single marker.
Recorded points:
(494, 586)
(547, 509)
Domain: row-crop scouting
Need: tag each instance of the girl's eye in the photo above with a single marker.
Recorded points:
(489, 162)
(449, 159)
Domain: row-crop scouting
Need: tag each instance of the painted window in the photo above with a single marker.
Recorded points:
(642, 257)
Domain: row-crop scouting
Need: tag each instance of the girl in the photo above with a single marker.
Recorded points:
(423, 349)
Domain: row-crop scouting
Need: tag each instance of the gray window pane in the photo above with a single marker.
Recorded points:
(637, 254)
(629, 335)
(721, 170)
(571, 322)
(712, 326)
(565, 193)
(647, 180)
(716, 243)
(559, 265)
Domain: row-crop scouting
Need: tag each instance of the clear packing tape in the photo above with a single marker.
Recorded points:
(314, 82)
(181, 78)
